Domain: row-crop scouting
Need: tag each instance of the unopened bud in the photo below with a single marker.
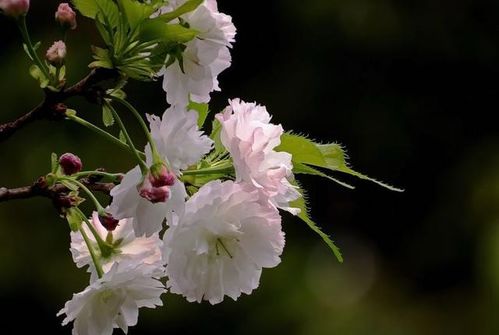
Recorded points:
(108, 222)
(70, 164)
(14, 8)
(66, 16)
(155, 194)
(56, 53)
(159, 176)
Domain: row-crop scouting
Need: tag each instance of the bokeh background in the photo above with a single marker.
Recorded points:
(410, 87)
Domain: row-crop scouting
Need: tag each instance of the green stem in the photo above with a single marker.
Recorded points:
(102, 133)
(95, 259)
(145, 128)
(96, 202)
(213, 170)
(142, 164)
(105, 249)
(24, 32)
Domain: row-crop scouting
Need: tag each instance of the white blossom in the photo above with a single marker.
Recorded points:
(221, 243)
(178, 138)
(180, 143)
(127, 247)
(250, 138)
(203, 59)
(147, 216)
(113, 301)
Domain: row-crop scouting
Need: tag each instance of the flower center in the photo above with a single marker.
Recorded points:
(221, 247)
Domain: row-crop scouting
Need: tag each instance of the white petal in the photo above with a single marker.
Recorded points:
(251, 139)
(221, 243)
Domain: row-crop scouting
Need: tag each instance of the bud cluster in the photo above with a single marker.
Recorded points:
(155, 187)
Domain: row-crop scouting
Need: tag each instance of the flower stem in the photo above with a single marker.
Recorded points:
(105, 249)
(143, 125)
(102, 133)
(21, 22)
(224, 169)
(142, 164)
(96, 202)
(95, 259)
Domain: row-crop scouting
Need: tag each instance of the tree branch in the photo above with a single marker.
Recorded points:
(54, 193)
(92, 87)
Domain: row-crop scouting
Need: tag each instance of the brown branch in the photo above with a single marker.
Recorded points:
(92, 87)
(56, 192)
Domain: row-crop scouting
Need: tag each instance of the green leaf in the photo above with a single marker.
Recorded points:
(107, 116)
(187, 7)
(215, 136)
(26, 50)
(202, 109)
(54, 162)
(100, 63)
(87, 8)
(136, 12)
(139, 70)
(109, 11)
(156, 29)
(102, 58)
(100, 53)
(62, 73)
(52, 70)
(300, 168)
(118, 93)
(307, 153)
(122, 137)
(74, 219)
(38, 75)
(301, 203)
(107, 35)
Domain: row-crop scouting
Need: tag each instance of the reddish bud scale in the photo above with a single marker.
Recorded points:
(65, 201)
(159, 177)
(108, 222)
(155, 194)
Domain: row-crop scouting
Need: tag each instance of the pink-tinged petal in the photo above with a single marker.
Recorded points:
(220, 245)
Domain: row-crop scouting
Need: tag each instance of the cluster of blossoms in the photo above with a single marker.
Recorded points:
(199, 215)
(219, 237)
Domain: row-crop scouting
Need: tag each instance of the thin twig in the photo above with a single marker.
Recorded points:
(92, 87)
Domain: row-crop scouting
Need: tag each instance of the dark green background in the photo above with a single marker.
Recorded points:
(409, 87)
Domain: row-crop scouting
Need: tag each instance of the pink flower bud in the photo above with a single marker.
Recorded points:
(66, 16)
(56, 53)
(155, 194)
(160, 176)
(70, 164)
(108, 222)
(14, 8)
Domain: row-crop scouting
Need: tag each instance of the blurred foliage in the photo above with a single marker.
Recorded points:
(409, 87)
